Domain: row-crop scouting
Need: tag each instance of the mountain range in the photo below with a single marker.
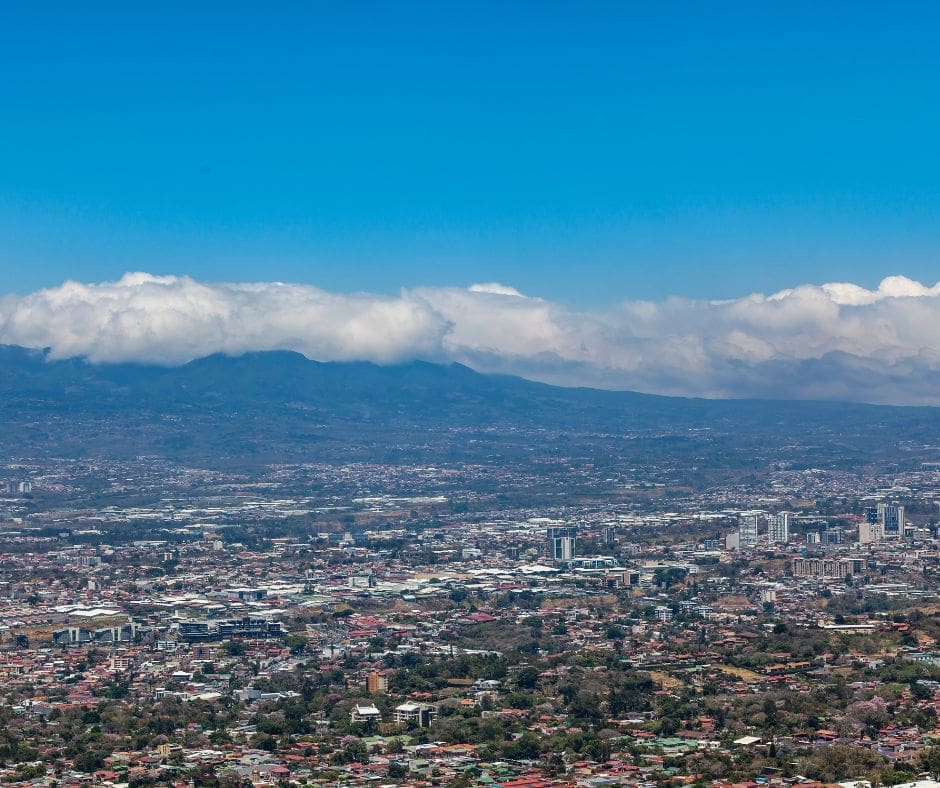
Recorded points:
(282, 407)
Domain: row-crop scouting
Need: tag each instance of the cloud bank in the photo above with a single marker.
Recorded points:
(835, 341)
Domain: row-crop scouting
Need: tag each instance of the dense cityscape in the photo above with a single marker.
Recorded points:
(369, 624)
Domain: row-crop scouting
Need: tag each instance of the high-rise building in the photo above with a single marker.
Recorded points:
(562, 543)
(376, 682)
(778, 527)
(891, 520)
(748, 525)
(869, 532)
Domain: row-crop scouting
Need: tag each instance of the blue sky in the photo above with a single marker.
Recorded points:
(584, 152)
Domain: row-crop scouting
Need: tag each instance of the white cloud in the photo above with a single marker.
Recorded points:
(831, 341)
(168, 319)
(495, 288)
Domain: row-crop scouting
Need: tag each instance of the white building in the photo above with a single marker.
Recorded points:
(562, 544)
(778, 527)
(891, 520)
(420, 714)
(363, 712)
(870, 532)
(748, 526)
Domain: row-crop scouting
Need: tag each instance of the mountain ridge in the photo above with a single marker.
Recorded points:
(280, 406)
(15, 358)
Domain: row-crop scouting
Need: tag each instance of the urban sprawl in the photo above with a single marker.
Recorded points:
(364, 624)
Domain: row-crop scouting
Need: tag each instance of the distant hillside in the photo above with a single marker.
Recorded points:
(280, 406)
